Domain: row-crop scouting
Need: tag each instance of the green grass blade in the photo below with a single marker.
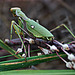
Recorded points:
(39, 72)
(7, 48)
(21, 63)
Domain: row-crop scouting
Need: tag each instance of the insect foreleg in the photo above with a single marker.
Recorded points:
(21, 24)
(11, 29)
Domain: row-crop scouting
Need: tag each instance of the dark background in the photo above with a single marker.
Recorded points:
(50, 14)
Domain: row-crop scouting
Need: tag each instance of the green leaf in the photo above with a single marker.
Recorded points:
(39, 72)
(7, 48)
(21, 63)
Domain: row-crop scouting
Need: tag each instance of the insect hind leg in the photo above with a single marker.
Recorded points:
(63, 25)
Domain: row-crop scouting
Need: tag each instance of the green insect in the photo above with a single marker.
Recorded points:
(33, 27)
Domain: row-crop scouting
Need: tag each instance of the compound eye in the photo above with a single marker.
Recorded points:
(32, 26)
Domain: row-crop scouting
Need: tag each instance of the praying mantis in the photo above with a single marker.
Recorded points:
(33, 27)
(37, 30)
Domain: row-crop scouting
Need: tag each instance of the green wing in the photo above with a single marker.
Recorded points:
(37, 30)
